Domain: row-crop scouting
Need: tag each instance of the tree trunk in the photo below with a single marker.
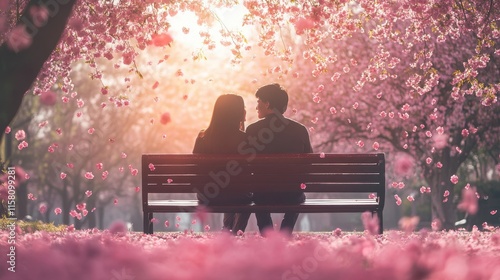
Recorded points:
(18, 70)
(22, 200)
(443, 207)
(91, 216)
(100, 211)
(65, 205)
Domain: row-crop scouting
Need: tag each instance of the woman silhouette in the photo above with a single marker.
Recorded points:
(222, 136)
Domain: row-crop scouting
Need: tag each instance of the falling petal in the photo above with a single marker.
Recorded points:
(89, 175)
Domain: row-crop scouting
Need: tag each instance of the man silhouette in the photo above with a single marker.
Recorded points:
(275, 134)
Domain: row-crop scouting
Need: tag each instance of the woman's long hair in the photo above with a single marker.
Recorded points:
(228, 115)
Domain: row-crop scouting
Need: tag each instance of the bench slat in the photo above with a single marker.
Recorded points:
(264, 178)
(310, 187)
(274, 158)
(310, 206)
(271, 168)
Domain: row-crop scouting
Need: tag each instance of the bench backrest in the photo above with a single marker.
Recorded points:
(208, 174)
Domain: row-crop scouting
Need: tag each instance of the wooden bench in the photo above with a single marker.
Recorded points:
(312, 173)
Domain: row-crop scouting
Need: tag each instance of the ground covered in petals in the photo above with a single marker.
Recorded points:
(119, 255)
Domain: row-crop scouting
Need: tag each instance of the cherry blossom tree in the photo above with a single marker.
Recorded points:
(408, 106)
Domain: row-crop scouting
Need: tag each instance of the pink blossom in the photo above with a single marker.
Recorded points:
(398, 199)
(99, 165)
(18, 39)
(128, 58)
(20, 135)
(469, 202)
(62, 175)
(465, 133)
(303, 186)
(89, 175)
(454, 179)
(167, 223)
(31, 197)
(302, 24)
(48, 98)
(408, 224)
(440, 141)
(403, 165)
(88, 193)
(22, 145)
(76, 23)
(8, 130)
(161, 40)
(81, 206)
(436, 224)
(39, 14)
(42, 208)
(104, 175)
(118, 227)
(73, 213)
(370, 222)
(57, 211)
(376, 146)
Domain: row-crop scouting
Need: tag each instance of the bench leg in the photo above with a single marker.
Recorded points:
(148, 225)
(381, 222)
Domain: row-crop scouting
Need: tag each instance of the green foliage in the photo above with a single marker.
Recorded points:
(31, 226)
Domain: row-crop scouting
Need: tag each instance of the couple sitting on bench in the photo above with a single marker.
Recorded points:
(272, 134)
